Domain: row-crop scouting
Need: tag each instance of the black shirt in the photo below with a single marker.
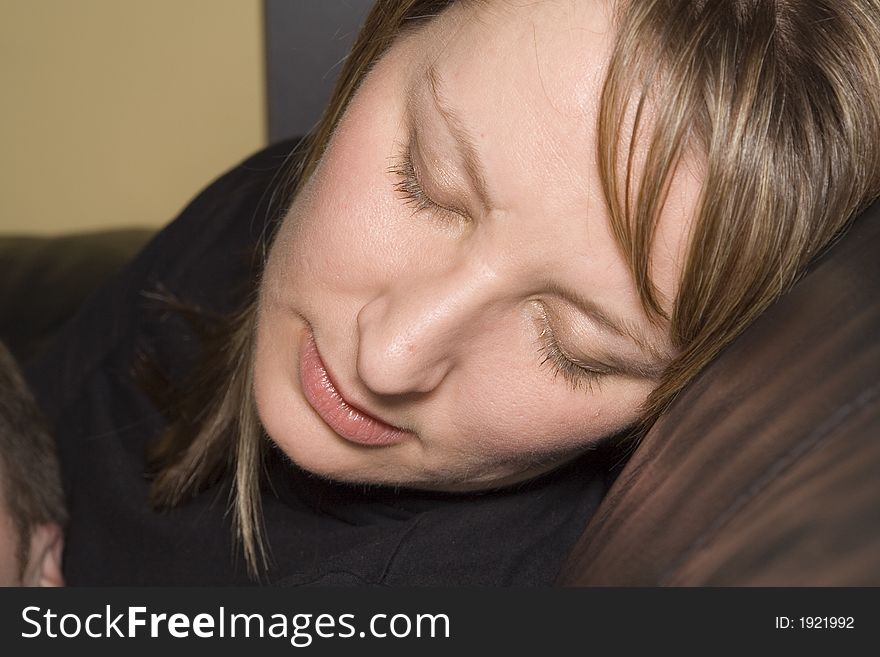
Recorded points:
(319, 532)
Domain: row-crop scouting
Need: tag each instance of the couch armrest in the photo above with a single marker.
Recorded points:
(43, 280)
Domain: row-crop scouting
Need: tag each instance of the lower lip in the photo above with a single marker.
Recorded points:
(347, 421)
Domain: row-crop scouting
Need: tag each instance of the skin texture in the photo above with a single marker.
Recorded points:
(436, 320)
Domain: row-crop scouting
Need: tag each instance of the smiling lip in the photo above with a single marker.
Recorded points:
(347, 420)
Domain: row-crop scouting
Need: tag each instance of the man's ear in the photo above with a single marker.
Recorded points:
(43, 567)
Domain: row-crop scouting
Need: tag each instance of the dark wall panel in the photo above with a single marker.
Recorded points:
(305, 43)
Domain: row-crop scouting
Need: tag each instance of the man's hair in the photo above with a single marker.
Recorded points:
(29, 472)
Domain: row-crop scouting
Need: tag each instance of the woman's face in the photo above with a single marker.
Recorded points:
(445, 306)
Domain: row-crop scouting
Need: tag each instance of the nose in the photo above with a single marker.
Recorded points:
(410, 336)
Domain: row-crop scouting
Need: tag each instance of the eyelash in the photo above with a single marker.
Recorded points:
(409, 187)
(576, 376)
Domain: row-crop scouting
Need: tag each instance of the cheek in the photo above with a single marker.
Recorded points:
(524, 420)
(523, 428)
(344, 230)
(503, 408)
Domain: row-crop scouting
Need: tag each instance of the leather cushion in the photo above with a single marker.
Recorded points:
(765, 469)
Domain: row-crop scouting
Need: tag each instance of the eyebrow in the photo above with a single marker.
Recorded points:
(462, 135)
(657, 359)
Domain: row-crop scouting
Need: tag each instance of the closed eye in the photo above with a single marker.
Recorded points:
(411, 190)
(408, 185)
(578, 375)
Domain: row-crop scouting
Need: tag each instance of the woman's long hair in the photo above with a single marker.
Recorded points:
(776, 101)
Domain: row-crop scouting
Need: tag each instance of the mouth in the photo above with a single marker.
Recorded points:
(345, 419)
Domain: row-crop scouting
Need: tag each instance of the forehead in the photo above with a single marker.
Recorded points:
(551, 43)
(527, 77)
(534, 69)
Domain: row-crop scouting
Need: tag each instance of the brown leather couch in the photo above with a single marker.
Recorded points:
(766, 470)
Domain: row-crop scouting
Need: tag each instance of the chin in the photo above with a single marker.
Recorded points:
(379, 467)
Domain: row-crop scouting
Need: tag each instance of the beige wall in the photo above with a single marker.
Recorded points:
(115, 112)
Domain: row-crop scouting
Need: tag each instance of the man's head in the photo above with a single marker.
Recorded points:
(32, 511)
